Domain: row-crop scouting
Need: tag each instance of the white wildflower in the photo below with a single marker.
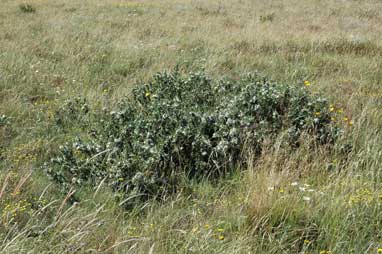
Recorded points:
(307, 199)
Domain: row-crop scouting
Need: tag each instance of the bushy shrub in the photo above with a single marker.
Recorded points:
(186, 125)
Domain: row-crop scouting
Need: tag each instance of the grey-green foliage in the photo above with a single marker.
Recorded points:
(186, 125)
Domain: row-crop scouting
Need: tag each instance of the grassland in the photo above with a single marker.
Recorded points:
(305, 201)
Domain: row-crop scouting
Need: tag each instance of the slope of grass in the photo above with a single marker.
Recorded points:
(302, 201)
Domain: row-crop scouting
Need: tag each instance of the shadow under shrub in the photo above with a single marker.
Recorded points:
(186, 125)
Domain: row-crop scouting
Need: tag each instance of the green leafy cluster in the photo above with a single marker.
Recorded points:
(186, 125)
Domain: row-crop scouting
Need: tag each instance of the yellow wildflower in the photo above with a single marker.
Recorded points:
(317, 113)
(379, 250)
(306, 241)
(147, 94)
(221, 237)
(307, 83)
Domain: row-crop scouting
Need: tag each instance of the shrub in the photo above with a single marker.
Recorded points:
(193, 126)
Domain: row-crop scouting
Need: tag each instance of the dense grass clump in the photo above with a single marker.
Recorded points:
(27, 8)
(185, 125)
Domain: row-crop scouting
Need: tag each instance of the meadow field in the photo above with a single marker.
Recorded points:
(310, 199)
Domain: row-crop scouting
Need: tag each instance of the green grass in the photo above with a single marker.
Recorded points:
(100, 49)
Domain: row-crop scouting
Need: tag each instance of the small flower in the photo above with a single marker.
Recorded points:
(317, 113)
(346, 119)
(221, 237)
(281, 190)
(220, 230)
(206, 226)
(306, 241)
(379, 250)
(147, 94)
(331, 108)
(307, 83)
(307, 199)
(340, 110)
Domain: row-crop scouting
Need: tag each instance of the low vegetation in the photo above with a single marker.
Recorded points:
(184, 125)
(27, 8)
(99, 154)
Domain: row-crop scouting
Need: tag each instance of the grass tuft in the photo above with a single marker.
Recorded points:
(27, 8)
